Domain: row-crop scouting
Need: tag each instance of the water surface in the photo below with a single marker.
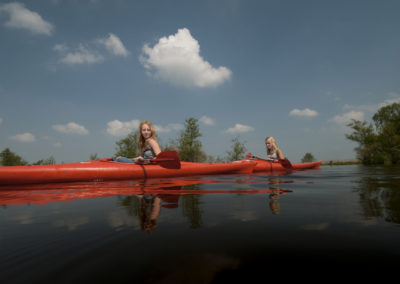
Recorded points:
(337, 222)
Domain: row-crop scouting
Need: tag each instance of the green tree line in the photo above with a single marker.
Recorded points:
(9, 158)
(187, 144)
(378, 143)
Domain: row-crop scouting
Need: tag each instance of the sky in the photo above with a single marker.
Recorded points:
(76, 76)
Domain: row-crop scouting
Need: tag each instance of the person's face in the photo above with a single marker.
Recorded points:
(146, 131)
(268, 144)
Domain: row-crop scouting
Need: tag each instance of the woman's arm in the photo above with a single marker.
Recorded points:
(155, 146)
(279, 154)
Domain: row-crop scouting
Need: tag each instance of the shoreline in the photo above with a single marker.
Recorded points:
(340, 163)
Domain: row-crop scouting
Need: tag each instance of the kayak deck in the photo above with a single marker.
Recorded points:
(269, 166)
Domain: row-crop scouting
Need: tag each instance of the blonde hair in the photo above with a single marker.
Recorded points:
(141, 139)
(274, 147)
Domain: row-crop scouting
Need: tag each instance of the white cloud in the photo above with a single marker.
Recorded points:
(303, 112)
(170, 127)
(395, 98)
(207, 120)
(60, 47)
(346, 118)
(57, 145)
(239, 128)
(176, 126)
(176, 59)
(91, 52)
(71, 128)
(22, 18)
(25, 137)
(119, 128)
(360, 111)
(114, 45)
(372, 108)
(81, 55)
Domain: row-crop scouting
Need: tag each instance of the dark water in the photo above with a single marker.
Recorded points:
(315, 225)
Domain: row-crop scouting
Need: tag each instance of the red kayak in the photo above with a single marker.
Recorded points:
(283, 165)
(161, 167)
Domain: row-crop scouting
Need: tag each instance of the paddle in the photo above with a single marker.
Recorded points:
(284, 162)
(168, 159)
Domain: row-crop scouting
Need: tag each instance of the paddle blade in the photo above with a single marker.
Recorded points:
(248, 156)
(286, 163)
(168, 159)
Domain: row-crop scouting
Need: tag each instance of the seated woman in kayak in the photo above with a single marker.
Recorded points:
(273, 152)
(147, 143)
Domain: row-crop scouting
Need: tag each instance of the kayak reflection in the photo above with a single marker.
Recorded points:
(62, 192)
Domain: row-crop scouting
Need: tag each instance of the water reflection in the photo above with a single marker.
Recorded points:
(71, 223)
(147, 205)
(147, 208)
(118, 231)
(379, 190)
(146, 199)
(47, 193)
(149, 212)
(274, 196)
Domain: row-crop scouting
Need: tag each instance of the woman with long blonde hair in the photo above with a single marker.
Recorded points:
(273, 151)
(147, 143)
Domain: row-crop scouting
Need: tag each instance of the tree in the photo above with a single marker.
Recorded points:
(9, 158)
(172, 145)
(189, 145)
(388, 117)
(387, 122)
(93, 157)
(49, 161)
(308, 157)
(213, 159)
(127, 147)
(379, 144)
(368, 151)
(238, 150)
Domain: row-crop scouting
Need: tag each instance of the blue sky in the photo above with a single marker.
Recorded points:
(77, 76)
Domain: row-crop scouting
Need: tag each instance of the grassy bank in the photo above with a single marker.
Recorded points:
(340, 163)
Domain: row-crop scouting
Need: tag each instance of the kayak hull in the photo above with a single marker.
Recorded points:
(104, 170)
(268, 166)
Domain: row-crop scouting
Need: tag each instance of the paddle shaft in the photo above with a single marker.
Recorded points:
(284, 162)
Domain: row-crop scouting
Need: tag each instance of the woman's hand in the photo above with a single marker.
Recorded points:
(138, 159)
